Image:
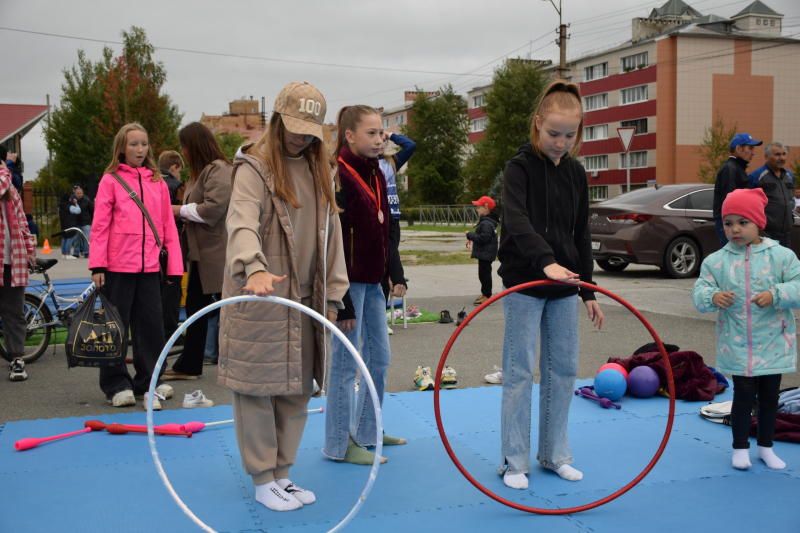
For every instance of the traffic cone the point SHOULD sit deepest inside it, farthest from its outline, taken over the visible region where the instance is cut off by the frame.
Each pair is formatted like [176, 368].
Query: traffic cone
[46, 248]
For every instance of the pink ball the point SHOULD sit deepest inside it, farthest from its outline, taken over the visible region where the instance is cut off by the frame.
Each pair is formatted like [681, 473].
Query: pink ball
[619, 368]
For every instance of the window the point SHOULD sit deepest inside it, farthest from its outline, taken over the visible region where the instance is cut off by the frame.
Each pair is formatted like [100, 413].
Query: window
[385, 123]
[701, 200]
[479, 124]
[633, 95]
[771, 22]
[598, 101]
[758, 22]
[633, 62]
[399, 120]
[594, 133]
[595, 71]
[638, 160]
[478, 101]
[252, 109]
[595, 162]
[598, 192]
[634, 186]
[640, 124]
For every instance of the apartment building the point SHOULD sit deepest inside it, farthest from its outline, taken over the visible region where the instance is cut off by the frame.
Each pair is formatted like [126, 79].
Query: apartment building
[243, 116]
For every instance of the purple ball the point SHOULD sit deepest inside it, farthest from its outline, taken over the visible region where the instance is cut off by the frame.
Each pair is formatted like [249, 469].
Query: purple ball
[643, 382]
[610, 383]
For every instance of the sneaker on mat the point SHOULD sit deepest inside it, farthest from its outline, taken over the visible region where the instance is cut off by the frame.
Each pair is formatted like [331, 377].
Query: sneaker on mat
[123, 398]
[480, 299]
[495, 377]
[16, 370]
[165, 391]
[156, 402]
[196, 399]
[449, 380]
[423, 379]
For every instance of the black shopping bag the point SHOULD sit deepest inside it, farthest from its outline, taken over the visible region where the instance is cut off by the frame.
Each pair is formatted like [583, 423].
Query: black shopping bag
[96, 337]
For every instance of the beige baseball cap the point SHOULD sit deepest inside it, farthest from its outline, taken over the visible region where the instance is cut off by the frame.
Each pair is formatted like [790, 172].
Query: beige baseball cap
[302, 108]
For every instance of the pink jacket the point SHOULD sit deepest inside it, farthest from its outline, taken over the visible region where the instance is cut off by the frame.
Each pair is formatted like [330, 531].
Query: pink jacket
[122, 240]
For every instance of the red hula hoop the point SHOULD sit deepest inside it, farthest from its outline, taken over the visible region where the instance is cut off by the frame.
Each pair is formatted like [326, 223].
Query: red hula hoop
[569, 510]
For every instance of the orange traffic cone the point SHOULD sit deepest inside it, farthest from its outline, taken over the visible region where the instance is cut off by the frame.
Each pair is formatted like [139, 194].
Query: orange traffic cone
[46, 248]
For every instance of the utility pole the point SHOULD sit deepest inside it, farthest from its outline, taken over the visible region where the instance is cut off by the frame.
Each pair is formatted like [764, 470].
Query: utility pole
[561, 41]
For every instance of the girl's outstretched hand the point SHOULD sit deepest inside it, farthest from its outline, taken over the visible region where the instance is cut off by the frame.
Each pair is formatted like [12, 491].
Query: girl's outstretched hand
[260, 283]
[595, 314]
[559, 273]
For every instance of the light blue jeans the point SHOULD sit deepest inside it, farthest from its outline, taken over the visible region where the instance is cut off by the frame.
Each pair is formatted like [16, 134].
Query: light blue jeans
[558, 365]
[346, 415]
[81, 246]
[66, 245]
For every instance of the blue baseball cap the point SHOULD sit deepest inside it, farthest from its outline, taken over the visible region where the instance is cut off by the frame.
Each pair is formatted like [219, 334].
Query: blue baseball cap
[744, 138]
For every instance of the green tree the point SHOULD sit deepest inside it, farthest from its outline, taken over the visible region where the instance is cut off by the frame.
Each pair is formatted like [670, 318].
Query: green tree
[440, 127]
[230, 142]
[517, 86]
[715, 148]
[98, 98]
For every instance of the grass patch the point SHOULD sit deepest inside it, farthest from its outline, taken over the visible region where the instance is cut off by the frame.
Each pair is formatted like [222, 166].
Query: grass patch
[426, 316]
[431, 257]
[59, 336]
[442, 229]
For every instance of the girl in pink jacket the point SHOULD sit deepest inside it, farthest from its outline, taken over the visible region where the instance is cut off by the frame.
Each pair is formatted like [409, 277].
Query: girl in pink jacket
[124, 260]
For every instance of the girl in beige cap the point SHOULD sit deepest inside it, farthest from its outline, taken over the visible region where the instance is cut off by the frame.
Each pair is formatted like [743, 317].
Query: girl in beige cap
[284, 239]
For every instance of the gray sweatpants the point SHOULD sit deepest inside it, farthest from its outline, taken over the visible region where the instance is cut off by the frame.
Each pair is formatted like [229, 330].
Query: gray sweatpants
[269, 428]
[12, 302]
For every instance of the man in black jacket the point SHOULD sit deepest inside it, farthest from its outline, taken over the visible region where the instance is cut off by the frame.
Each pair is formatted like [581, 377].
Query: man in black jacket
[732, 176]
[84, 220]
[778, 184]
[485, 247]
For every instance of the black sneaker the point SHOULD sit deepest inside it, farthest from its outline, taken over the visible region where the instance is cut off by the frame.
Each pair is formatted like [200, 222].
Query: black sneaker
[444, 317]
[16, 370]
[462, 316]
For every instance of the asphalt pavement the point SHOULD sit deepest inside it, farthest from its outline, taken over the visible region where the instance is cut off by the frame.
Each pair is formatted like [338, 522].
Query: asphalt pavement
[54, 391]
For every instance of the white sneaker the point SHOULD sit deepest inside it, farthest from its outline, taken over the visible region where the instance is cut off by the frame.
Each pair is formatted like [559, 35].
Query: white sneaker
[391, 331]
[68, 257]
[165, 391]
[196, 399]
[496, 377]
[123, 399]
[156, 402]
[16, 370]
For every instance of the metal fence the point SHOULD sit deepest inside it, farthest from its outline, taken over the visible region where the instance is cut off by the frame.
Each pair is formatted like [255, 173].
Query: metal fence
[45, 214]
[462, 214]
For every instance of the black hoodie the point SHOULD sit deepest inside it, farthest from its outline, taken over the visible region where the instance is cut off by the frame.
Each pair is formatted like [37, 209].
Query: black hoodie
[545, 221]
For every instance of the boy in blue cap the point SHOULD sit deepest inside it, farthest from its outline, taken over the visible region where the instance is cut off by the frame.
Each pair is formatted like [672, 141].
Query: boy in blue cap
[732, 176]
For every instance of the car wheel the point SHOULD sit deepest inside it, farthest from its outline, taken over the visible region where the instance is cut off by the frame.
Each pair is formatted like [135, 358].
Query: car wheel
[682, 258]
[615, 266]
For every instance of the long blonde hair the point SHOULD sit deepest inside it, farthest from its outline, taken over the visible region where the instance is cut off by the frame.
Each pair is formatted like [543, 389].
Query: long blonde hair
[269, 150]
[559, 96]
[118, 151]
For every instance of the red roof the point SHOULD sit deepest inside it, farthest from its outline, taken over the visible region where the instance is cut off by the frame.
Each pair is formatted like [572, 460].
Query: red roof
[18, 118]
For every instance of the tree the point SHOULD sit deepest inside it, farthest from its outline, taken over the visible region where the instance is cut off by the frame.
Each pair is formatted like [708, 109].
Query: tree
[715, 148]
[98, 98]
[440, 127]
[517, 86]
[230, 142]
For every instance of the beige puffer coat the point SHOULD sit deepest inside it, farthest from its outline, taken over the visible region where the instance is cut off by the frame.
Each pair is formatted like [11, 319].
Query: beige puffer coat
[260, 342]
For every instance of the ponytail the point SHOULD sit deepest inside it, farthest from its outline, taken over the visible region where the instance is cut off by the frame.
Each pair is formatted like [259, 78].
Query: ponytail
[349, 118]
[559, 96]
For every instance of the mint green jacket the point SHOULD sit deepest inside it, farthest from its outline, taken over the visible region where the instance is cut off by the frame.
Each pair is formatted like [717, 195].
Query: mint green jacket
[752, 341]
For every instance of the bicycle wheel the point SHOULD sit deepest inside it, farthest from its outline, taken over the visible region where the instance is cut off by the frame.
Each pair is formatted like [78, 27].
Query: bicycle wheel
[37, 337]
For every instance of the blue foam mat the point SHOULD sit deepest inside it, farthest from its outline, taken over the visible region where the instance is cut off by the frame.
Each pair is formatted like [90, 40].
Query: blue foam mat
[101, 482]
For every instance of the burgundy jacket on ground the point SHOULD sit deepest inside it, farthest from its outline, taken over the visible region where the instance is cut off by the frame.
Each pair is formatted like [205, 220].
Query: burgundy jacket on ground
[787, 428]
[365, 239]
[693, 381]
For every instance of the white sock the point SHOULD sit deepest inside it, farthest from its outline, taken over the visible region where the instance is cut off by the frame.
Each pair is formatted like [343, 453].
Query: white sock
[568, 473]
[516, 481]
[769, 457]
[275, 498]
[305, 496]
[741, 459]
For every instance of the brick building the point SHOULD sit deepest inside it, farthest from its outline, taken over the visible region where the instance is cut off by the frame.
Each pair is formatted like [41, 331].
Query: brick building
[243, 116]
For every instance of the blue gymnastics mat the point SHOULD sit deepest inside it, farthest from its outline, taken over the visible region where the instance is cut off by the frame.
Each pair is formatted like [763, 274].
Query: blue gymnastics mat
[99, 482]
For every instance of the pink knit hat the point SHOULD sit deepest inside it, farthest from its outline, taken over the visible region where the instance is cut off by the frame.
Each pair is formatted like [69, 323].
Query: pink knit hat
[749, 203]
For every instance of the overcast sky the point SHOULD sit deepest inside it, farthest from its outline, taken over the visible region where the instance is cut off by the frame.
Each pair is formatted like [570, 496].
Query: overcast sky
[442, 40]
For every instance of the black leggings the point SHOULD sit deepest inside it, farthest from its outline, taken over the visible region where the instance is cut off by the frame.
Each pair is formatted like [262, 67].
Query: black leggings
[485, 277]
[191, 360]
[745, 390]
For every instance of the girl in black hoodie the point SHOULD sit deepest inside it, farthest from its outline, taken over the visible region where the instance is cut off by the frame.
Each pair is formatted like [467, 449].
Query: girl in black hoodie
[544, 235]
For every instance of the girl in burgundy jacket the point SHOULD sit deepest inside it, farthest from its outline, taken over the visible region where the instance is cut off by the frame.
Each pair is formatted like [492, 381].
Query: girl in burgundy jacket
[365, 231]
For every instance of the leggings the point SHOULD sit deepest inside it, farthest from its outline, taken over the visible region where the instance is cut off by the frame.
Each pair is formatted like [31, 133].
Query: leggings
[745, 390]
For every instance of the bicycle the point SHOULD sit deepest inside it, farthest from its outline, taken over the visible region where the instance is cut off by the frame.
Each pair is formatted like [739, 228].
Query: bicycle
[41, 324]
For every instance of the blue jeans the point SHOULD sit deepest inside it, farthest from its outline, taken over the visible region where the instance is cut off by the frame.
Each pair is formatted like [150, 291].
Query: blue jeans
[81, 246]
[211, 353]
[558, 365]
[723, 240]
[346, 415]
[66, 245]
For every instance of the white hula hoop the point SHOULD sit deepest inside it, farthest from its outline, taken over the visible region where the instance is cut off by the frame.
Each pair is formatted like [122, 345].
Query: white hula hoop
[365, 376]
